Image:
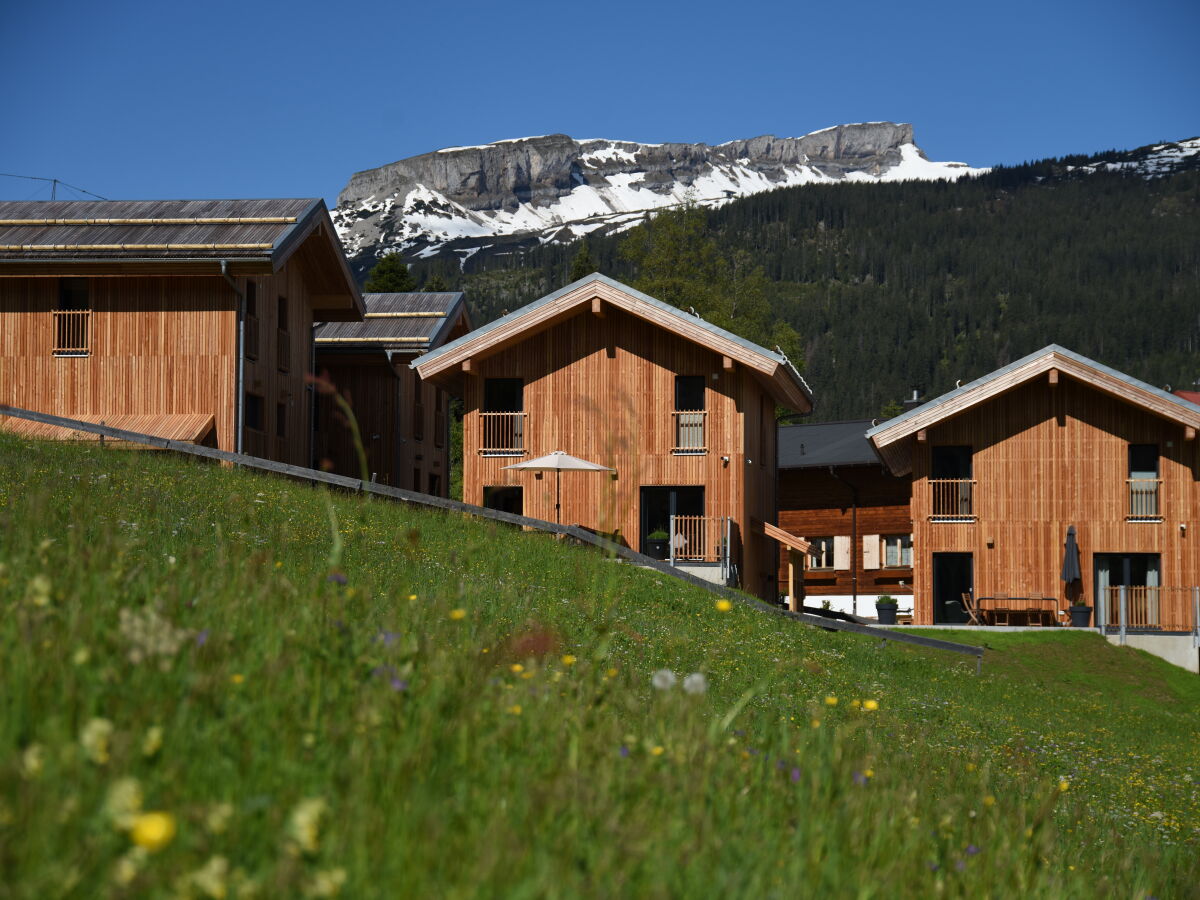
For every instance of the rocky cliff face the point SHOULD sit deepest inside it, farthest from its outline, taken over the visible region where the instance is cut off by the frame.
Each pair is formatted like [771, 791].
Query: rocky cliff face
[462, 200]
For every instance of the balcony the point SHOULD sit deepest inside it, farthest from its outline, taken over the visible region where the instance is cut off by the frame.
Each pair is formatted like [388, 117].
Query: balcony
[1148, 608]
[72, 332]
[704, 547]
[503, 433]
[1143, 500]
[952, 499]
[688, 427]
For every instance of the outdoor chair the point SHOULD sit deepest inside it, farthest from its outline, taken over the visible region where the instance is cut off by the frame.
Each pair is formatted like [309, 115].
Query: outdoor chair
[972, 610]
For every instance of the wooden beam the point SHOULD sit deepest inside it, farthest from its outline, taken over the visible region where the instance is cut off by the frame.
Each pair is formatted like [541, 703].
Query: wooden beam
[466, 365]
[1189, 433]
[598, 307]
[1054, 376]
[726, 363]
[922, 436]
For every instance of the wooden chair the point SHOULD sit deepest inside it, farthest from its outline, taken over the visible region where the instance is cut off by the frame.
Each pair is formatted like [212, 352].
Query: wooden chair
[972, 610]
[1001, 610]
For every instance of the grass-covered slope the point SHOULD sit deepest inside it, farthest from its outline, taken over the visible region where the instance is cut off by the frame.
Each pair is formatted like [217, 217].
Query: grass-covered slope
[322, 693]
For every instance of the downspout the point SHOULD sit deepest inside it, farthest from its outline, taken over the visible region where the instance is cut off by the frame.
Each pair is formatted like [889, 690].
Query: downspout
[239, 403]
[312, 395]
[853, 538]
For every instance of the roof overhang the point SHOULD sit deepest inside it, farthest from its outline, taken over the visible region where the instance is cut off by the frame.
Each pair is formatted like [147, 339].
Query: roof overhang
[774, 371]
[893, 439]
[312, 240]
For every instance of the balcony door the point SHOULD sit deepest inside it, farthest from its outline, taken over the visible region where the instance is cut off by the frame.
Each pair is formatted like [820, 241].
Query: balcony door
[503, 417]
[953, 576]
[950, 478]
[1141, 576]
[659, 503]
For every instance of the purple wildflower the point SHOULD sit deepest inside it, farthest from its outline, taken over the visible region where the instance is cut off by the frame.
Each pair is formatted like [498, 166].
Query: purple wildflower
[795, 775]
[960, 865]
[399, 684]
[972, 849]
[202, 638]
[933, 867]
[387, 638]
[337, 578]
[860, 779]
[624, 751]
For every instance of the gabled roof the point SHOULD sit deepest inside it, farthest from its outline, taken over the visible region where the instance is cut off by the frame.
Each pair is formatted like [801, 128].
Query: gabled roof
[406, 322]
[132, 237]
[774, 370]
[888, 437]
[826, 444]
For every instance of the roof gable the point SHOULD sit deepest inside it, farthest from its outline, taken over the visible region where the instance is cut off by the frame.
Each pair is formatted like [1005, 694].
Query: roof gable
[775, 371]
[410, 322]
[889, 437]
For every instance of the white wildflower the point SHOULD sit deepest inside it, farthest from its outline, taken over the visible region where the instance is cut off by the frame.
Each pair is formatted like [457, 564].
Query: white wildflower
[663, 679]
[695, 683]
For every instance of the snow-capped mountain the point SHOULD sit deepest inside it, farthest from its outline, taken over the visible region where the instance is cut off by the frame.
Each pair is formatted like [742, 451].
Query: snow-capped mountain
[1152, 161]
[461, 200]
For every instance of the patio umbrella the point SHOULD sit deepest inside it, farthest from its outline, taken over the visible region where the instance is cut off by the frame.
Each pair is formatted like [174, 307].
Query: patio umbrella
[1070, 568]
[557, 462]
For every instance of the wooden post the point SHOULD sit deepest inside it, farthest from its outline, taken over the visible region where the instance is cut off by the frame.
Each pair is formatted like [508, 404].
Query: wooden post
[793, 603]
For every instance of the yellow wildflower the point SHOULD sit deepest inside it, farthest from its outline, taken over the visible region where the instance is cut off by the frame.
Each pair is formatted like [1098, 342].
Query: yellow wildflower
[81, 656]
[458, 614]
[1064, 786]
[856, 703]
[989, 801]
[568, 660]
[412, 596]
[39, 590]
[611, 673]
[32, 761]
[94, 739]
[723, 605]
[237, 678]
[515, 709]
[870, 705]
[831, 700]
[516, 667]
[153, 830]
[657, 751]
[152, 742]
[123, 803]
[304, 825]
[816, 723]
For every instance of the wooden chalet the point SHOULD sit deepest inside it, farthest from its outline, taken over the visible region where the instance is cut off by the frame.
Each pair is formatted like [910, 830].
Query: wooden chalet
[836, 494]
[404, 423]
[1003, 466]
[188, 319]
[683, 411]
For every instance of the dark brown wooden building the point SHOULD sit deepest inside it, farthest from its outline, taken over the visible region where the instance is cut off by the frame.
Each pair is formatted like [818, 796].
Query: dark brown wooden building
[188, 319]
[683, 411]
[404, 423]
[836, 494]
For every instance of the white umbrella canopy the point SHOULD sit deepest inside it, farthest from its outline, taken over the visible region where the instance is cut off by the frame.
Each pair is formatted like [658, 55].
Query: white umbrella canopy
[558, 462]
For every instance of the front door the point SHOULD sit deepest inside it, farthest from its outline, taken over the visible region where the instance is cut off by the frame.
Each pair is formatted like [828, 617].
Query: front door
[953, 576]
[506, 498]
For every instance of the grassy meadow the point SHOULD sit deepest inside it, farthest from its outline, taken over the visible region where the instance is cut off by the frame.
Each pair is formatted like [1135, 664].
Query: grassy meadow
[221, 684]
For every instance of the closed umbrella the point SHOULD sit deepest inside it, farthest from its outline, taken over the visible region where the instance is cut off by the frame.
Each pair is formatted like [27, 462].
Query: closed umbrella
[558, 462]
[1070, 567]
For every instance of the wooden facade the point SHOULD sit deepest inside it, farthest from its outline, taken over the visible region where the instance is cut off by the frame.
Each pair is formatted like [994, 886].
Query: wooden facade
[166, 337]
[1050, 442]
[859, 508]
[594, 371]
[404, 422]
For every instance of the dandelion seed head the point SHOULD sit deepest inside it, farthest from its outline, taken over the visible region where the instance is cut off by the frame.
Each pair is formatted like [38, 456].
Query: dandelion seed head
[695, 683]
[663, 680]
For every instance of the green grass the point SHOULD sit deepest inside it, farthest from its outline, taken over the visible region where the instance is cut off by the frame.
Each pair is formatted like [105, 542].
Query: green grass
[441, 769]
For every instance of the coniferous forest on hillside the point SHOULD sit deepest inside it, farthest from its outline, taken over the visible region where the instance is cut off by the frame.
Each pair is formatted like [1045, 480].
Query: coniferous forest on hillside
[917, 285]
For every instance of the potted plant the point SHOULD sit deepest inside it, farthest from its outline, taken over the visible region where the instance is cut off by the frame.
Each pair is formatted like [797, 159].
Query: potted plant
[885, 609]
[658, 544]
[1081, 615]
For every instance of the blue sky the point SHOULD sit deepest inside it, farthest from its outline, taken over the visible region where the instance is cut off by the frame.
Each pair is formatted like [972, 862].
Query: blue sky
[177, 99]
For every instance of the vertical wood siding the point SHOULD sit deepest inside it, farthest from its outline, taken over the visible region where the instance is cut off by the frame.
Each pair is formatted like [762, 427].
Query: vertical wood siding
[1046, 457]
[603, 389]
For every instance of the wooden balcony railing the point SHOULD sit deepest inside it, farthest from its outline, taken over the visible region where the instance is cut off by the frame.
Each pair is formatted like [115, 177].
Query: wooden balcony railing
[1143, 500]
[953, 499]
[418, 422]
[503, 433]
[689, 431]
[439, 427]
[250, 338]
[72, 332]
[698, 539]
[1149, 607]
[283, 351]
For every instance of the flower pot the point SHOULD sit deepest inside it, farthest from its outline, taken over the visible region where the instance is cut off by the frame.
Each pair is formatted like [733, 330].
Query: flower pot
[1081, 616]
[656, 549]
[886, 613]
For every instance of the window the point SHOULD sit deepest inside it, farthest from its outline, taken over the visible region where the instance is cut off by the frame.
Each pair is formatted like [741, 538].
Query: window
[418, 422]
[689, 414]
[281, 316]
[72, 318]
[821, 554]
[503, 417]
[435, 485]
[951, 484]
[283, 344]
[416, 482]
[439, 418]
[251, 321]
[1144, 482]
[897, 550]
[281, 420]
[252, 413]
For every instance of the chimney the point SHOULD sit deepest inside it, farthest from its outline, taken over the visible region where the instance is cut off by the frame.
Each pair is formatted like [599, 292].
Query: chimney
[914, 401]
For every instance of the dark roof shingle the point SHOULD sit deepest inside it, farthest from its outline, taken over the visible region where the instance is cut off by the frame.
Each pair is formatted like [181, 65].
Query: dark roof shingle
[827, 444]
[400, 321]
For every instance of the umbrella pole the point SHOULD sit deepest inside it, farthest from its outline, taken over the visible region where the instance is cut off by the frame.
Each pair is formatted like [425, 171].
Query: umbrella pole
[558, 496]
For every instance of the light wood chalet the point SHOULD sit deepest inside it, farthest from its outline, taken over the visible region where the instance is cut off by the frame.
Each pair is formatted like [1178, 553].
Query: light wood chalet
[836, 494]
[188, 319]
[683, 411]
[404, 423]
[1003, 466]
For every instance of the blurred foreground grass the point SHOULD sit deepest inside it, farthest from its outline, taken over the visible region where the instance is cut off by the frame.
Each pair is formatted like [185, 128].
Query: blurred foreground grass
[222, 684]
